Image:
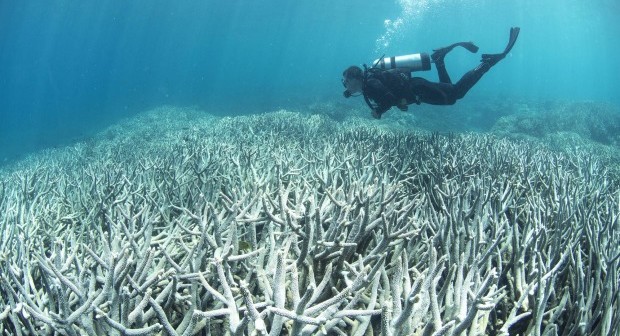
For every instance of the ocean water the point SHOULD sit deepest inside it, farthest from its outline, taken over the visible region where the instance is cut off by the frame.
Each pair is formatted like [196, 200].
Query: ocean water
[193, 167]
[70, 68]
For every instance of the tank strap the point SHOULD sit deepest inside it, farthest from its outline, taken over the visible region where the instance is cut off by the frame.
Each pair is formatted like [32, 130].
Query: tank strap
[366, 99]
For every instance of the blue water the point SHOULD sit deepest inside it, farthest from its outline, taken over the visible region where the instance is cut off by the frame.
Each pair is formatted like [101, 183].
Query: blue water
[69, 68]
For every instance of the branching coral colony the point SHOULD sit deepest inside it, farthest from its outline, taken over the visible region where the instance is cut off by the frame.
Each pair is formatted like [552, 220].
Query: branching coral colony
[277, 225]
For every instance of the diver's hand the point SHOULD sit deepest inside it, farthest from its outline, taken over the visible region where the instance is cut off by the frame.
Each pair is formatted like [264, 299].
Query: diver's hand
[403, 105]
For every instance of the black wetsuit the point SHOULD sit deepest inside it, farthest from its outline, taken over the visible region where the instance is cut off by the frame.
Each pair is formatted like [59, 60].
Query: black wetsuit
[383, 89]
[387, 88]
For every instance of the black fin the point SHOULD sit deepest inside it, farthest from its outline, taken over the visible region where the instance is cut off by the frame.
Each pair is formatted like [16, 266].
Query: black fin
[514, 33]
[440, 53]
[469, 46]
[492, 59]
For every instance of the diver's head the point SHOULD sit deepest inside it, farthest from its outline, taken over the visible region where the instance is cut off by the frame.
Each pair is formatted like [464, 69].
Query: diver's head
[353, 80]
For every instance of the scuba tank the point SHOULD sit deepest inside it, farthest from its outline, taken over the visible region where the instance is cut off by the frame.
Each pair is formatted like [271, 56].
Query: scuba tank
[412, 62]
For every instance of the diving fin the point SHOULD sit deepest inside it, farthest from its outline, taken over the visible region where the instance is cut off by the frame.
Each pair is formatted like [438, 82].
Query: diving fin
[440, 53]
[470, 46]
[492, 59]
[514, 33]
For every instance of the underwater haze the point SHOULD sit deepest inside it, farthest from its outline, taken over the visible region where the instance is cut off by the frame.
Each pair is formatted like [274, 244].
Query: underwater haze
[70, 68]
[193, 168]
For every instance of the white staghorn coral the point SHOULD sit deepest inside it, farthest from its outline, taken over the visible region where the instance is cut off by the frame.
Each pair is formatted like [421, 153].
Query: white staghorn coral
[278, 224]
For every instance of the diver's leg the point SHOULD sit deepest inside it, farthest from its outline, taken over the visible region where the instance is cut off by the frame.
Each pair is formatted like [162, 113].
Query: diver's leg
[487, 62]
[431, 92]
[443, 73]
[470, 79]
[438, 58]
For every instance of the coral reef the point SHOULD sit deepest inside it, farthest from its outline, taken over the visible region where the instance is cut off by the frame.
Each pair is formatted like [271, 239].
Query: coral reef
[287, 224]
[565, 126]
[591, 120]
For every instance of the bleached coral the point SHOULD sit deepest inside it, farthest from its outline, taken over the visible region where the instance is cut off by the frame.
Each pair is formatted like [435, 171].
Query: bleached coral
[277, 224]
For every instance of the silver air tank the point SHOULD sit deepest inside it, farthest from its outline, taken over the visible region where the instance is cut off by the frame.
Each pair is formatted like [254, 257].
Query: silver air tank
[412, 62]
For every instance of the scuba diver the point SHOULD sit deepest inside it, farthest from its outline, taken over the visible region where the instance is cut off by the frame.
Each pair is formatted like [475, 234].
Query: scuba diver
[389, 83]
